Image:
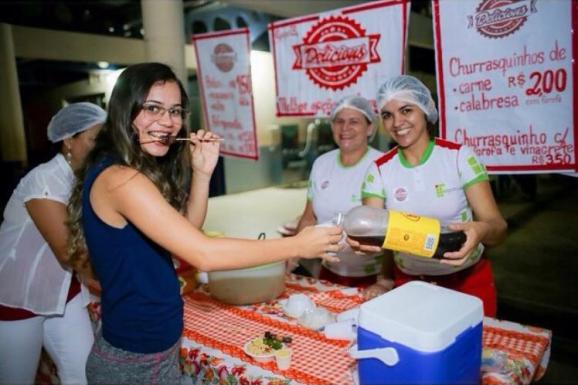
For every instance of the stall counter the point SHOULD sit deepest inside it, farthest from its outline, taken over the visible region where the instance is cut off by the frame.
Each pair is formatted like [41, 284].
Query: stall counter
[247, 214]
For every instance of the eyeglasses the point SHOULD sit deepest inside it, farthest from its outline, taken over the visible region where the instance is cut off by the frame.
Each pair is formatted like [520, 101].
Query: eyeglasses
[155, 111]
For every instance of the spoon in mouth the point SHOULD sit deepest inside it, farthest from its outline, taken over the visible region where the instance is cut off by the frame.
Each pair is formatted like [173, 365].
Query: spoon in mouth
[167, 140]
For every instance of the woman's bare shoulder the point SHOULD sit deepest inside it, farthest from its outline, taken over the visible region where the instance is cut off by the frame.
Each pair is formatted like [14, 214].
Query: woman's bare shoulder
[126, 192]
[118, 177]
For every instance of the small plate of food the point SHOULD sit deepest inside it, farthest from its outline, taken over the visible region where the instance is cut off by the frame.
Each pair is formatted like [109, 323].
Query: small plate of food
[262, 348]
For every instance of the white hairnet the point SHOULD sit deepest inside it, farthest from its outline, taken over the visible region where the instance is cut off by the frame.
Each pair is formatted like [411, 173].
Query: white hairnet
[73, 119]
[354, 102]
[408, 89]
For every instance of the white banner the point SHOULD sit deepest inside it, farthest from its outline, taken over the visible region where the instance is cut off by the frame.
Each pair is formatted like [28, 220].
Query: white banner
[224, 74]
[321, 58]
[507, 82]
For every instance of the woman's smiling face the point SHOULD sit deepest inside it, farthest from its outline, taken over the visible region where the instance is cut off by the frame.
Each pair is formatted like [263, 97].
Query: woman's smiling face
[161, 115]
[405, 122]
[350, 130]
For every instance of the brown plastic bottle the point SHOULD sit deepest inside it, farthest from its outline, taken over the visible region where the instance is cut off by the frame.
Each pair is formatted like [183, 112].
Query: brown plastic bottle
[368, 226]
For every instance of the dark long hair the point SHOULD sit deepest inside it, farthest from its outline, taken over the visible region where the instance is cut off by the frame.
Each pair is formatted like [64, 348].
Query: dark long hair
[119, 140]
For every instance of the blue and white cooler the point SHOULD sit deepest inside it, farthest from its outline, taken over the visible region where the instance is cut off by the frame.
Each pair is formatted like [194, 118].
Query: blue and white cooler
[420, 333]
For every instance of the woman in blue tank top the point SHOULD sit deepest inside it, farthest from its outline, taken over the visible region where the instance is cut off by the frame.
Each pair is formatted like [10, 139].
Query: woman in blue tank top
[141, 200]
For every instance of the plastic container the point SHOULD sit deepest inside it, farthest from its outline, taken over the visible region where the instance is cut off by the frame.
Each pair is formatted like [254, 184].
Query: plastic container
[247, 286]
[420, 333]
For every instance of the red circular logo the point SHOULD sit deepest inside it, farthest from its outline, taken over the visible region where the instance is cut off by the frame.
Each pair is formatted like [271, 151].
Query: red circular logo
[500, 18]
[335, 52]
[400, 194]
[224, 57]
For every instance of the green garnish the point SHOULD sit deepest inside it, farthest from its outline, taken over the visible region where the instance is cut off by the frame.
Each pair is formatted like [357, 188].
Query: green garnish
[275, 342]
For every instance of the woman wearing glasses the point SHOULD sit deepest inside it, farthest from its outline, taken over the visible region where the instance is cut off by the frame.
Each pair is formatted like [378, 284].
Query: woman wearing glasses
[142, 199]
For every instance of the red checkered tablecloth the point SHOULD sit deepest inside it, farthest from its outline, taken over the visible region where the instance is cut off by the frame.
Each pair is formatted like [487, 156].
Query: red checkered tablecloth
[513, 353]
[333, 300]
[214, 335]
[315, 359]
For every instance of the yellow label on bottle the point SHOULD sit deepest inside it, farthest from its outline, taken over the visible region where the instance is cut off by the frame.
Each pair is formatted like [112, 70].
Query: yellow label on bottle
[412, 234]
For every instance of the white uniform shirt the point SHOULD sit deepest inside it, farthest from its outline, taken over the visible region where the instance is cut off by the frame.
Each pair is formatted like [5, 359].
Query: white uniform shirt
[434, 188]
[335, 188]
[30, 275]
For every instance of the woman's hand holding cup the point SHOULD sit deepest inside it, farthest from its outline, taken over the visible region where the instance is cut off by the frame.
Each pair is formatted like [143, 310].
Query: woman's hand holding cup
[319, 242]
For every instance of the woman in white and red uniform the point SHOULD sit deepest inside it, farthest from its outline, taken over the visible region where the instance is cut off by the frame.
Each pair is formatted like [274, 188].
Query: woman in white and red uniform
[436, 178]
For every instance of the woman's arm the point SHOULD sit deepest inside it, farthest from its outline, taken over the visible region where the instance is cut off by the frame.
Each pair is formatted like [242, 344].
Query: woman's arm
[204, 157]
[488, 227]
[307, 218]
[374, 202]
[121, 194]
[492, 225]
[198, 199]
[50, 218]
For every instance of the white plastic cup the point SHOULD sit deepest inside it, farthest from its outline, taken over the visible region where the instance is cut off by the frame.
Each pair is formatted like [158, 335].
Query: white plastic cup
[336, 222]
[351, 314]
[343, 330]
[283, 358]
[297, 304]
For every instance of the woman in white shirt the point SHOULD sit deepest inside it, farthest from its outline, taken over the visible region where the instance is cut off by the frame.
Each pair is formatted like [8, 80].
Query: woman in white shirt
[335, 187]
[41, 302]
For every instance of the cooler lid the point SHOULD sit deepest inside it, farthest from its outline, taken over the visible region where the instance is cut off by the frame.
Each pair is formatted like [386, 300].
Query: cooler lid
[421, 316]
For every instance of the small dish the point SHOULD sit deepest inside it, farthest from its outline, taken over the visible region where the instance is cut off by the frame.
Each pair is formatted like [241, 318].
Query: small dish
[259, 357]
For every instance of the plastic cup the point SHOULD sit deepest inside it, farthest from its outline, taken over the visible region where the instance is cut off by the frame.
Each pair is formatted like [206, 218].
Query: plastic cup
[297, 304]
[343, 330]
[283, 358]
[342, 241]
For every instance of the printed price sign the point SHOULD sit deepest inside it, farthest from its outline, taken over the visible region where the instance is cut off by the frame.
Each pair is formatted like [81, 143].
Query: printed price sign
[507, 82]
[224, 74]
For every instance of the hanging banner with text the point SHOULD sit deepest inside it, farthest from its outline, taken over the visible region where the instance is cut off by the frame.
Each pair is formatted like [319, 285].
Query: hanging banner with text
[507, 82]
[350, 51]
[224, 75]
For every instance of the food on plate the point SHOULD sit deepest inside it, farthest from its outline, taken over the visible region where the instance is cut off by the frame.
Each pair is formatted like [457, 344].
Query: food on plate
[266, 344]
[276, 342]
[258, 347]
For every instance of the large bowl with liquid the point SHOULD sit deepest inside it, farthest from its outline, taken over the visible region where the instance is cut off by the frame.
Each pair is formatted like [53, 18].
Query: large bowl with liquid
[247, 286]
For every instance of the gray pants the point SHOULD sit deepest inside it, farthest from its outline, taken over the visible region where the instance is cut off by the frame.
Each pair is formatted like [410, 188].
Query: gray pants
[109, 365]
